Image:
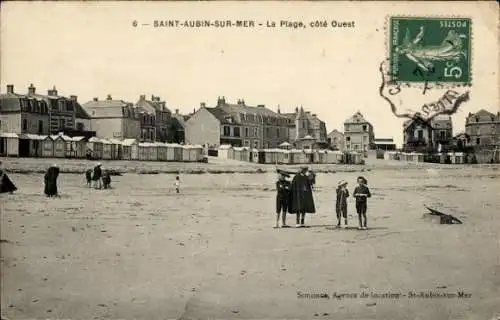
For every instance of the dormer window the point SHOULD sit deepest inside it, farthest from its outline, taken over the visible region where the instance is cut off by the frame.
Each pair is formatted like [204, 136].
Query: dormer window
[228, 119]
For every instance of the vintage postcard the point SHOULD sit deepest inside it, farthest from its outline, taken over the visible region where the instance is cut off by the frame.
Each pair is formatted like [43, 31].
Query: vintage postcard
[249, 160]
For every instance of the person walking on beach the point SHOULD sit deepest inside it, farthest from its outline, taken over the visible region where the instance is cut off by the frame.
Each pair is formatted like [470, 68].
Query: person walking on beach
[341, 203]
[282, 199]
[97, 176]
[106, 179]
[6, 186]
[362, 193]
[88, 177]
[177, 184]
[50, 180]
[301, 197]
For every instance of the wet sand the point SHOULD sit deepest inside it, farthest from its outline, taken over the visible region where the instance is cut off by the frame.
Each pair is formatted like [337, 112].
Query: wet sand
[140, 251]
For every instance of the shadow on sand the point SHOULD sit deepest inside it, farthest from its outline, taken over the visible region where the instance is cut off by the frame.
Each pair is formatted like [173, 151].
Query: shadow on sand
[354, 228]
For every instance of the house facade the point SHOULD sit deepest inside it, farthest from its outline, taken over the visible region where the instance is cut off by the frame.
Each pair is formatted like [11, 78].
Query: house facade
[483, 129]
[36, 113]
[305, 126]
[336, 140]
[359, 134]
[114, 118]
[177, 127]
[237, 124]
[155, 118]
[420, 135]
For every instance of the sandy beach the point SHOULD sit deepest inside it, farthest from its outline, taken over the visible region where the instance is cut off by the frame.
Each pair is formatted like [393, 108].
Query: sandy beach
[140, 251]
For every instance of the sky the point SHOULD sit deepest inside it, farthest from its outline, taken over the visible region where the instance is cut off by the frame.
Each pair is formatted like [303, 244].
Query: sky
[92, 49]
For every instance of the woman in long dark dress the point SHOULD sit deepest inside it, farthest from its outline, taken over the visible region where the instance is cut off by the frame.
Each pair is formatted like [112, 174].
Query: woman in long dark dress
[6, 186]
[51, 181]
[301, 197]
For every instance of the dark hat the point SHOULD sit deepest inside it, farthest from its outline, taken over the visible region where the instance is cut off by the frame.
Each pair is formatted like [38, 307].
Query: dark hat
[363, 178]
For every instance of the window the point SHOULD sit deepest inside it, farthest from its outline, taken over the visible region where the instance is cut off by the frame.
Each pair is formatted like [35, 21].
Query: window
[477, 119]
[256, 144]
[151, 135]
[255, 133]
[227, 131]
[420, 134]
[0, 124]
[25, 124]
[348, 139]
[365, 138]
[236, 131]
[93, 112]
[268, 132]
[478, 141]
[40, 126]
[246, 132]
[442, 135]
[61, 123]
[277, 132]
[247, 143]
[79, 126]
[364, 127]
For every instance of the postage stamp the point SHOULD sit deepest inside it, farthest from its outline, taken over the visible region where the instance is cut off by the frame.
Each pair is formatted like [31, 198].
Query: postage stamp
[430, 50]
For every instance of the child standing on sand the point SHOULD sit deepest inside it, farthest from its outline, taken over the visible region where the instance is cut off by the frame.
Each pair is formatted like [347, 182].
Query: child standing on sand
[177, 184]
[341, 203]
[282, 199]
[362, 193]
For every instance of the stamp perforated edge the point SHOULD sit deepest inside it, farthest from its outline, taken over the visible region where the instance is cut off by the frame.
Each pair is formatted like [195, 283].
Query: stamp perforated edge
[422, 84]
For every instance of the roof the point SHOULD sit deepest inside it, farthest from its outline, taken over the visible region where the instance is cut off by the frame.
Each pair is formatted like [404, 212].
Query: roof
[10, 102]
[153, 105]
[8, 135]
[30, 136]
[335, 132]
[233, 110]
[129, 142]
[107, 108]
[356, 118]
[384, 140]
[180, 119]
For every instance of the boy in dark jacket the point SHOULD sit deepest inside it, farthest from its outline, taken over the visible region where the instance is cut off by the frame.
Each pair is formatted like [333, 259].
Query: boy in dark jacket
[88, 177]
[282, 199]
[341, 203]
[362, 193]
[106, 179]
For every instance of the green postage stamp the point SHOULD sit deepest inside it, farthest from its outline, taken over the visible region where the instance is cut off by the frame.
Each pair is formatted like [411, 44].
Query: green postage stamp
[430, 50]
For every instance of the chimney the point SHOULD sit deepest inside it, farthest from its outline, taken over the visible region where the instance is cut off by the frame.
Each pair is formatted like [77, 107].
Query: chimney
[10, 88]
[96, 99]
[296, 110]
[31, 89]
[221, 101]
[73, 98]
[261, 105]
[202, 104]
[142, 97]
[52, 92]
[109, 97]
[153, 98]
[176, 111]
[279, 111]
[314, 115]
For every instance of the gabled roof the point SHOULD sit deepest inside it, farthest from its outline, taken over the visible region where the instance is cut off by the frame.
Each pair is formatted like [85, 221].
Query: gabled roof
[180, 119]
[483, 112]
[356, 118]
[153, 105]
[219, 113]
[106, 108]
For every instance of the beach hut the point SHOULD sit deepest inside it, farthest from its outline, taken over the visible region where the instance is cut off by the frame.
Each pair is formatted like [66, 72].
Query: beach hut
[48, 147]
[116, 149]
[299, 156]
[162, 151]
[270, 156]
[170, 151]
[79, 145]
[107, 149]
[95, 145]
[322, 156]
[285, 157]
[130, 149]
[226, 152]
[255, 156]
[9, 144]
[185, 152]
[195, 153]
[59, 146]
[148, 151]
[34, 143]
[417, 157]
[178, 151]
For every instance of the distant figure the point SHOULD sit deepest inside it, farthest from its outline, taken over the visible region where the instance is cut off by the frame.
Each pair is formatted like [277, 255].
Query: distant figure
[177, 184]
[6, 186]
[106, 179]
[301, 198]
[282, 199]
[89, 154]
[97, 176]
[362, 193]
[88, 177]
[50, 180]
[341, 202]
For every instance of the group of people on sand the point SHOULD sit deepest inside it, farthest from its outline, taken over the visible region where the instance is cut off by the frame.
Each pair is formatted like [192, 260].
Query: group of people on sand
[99, 176]
[296, 197]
